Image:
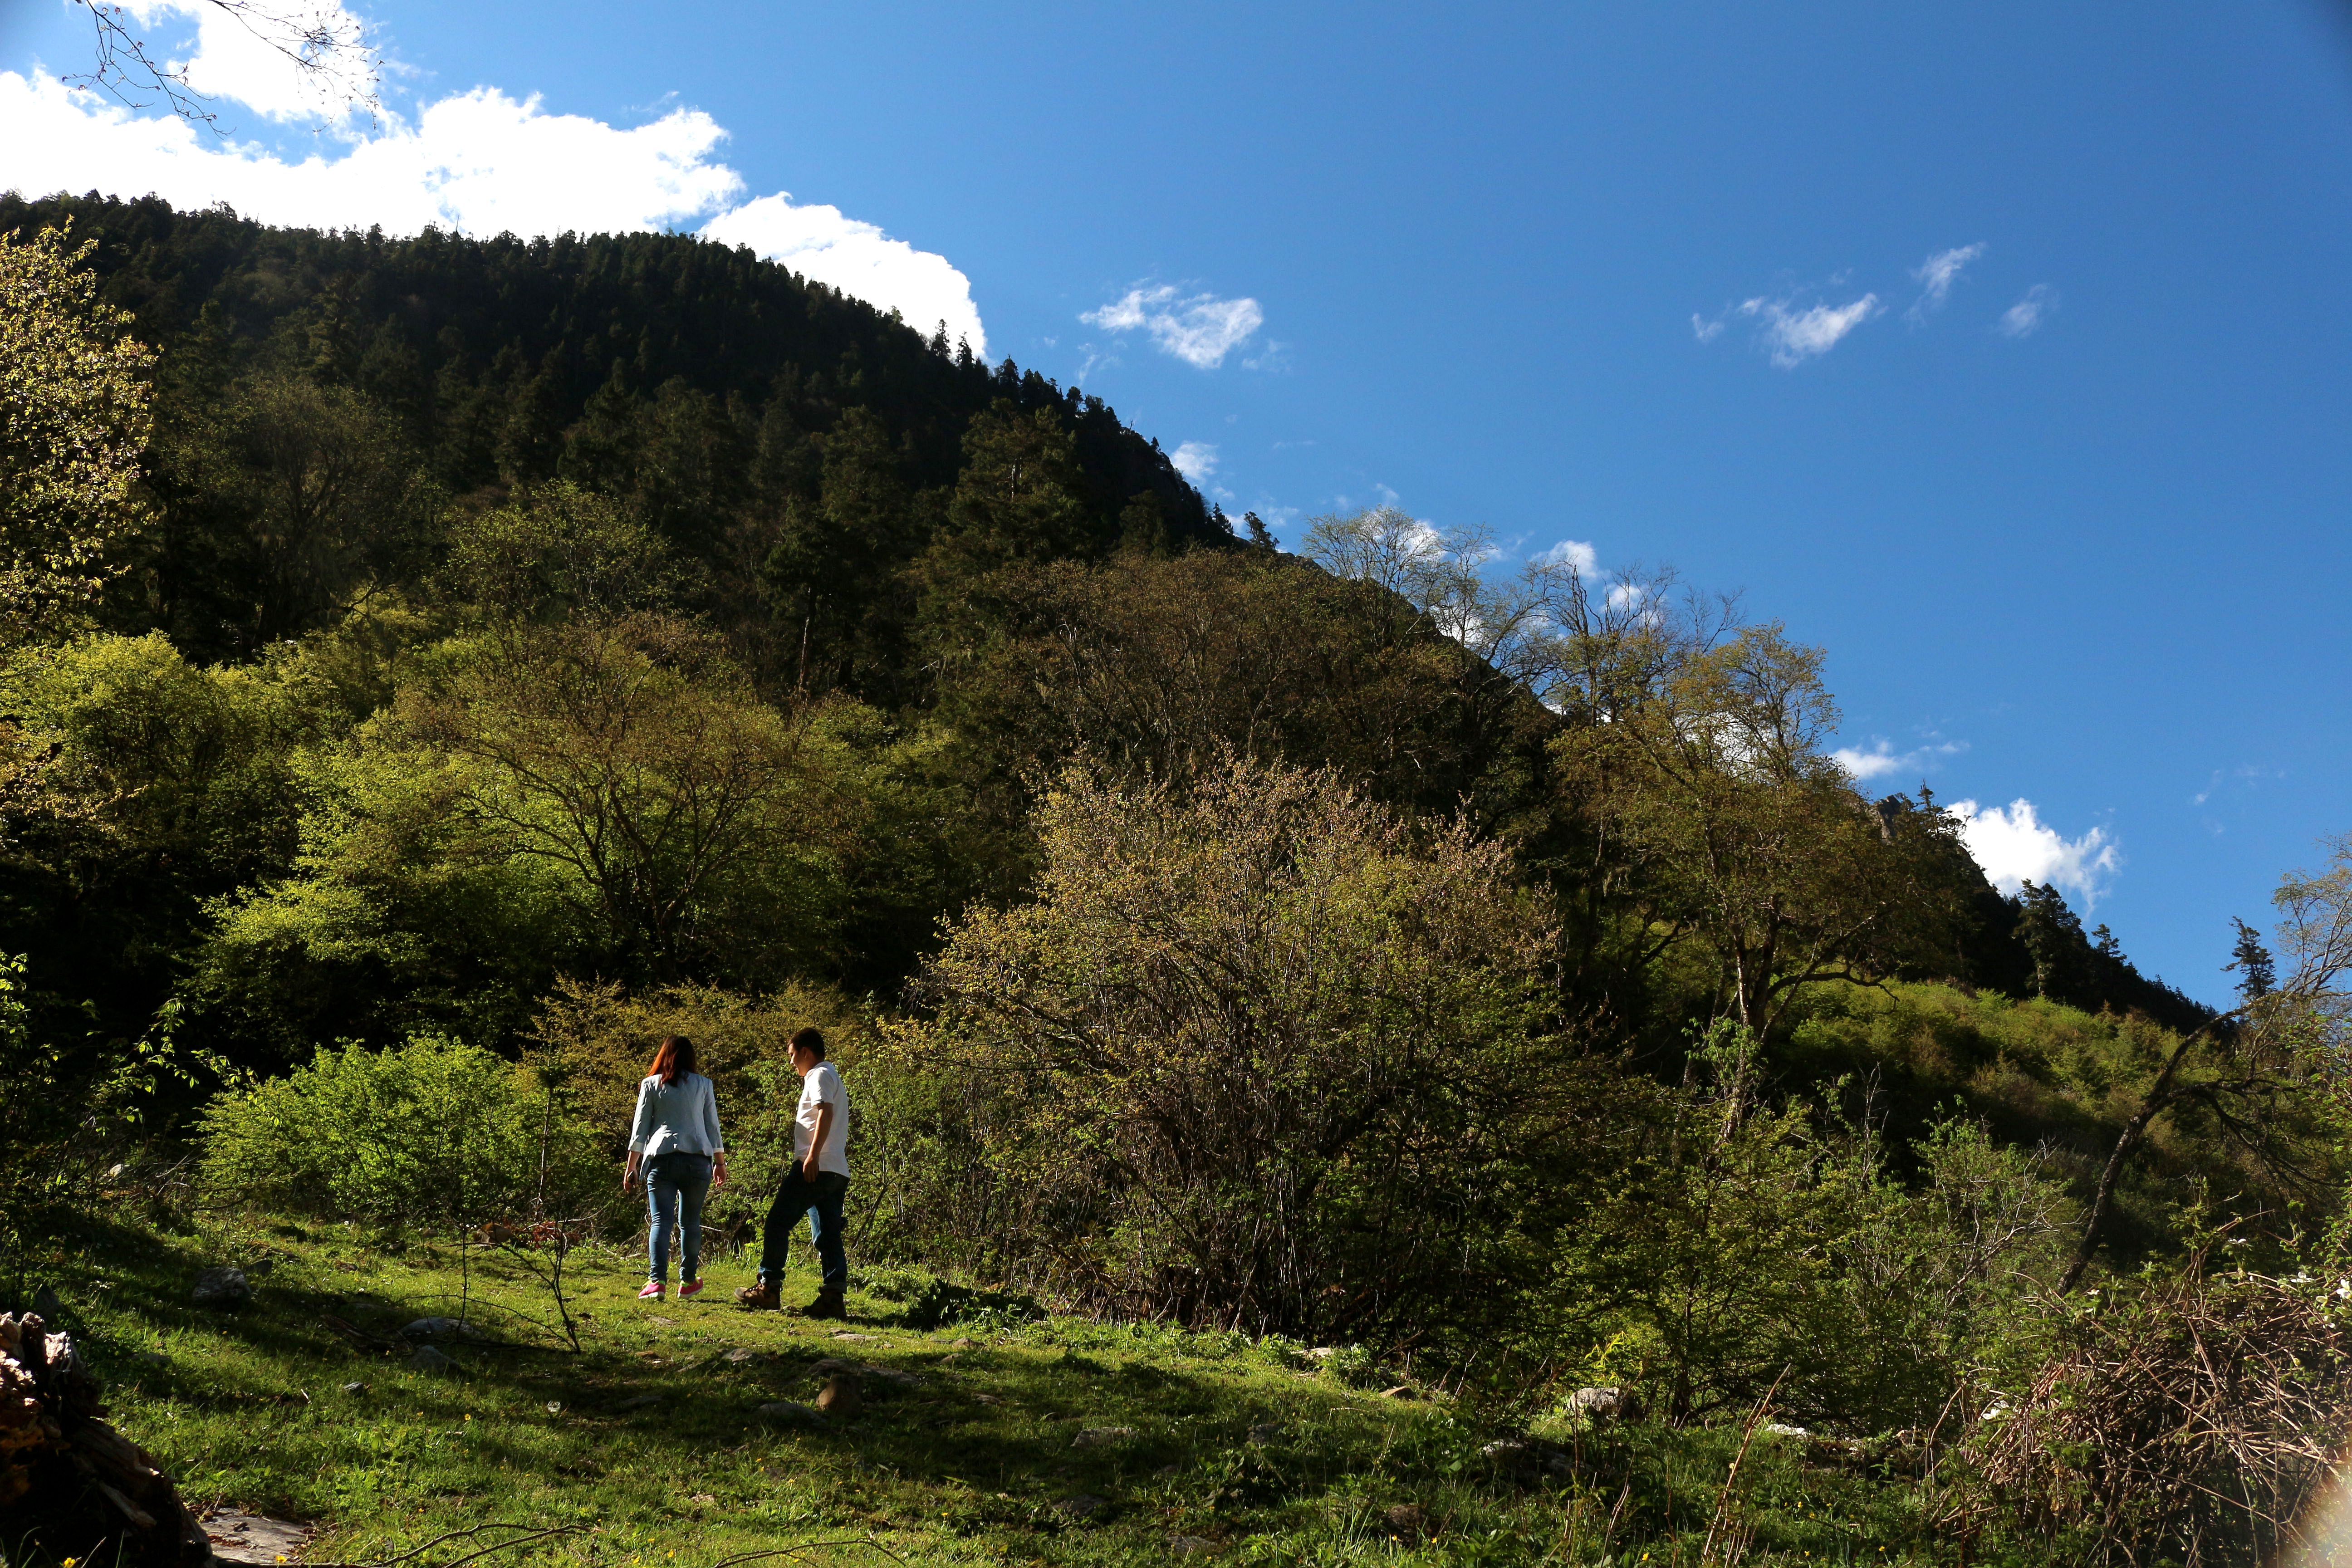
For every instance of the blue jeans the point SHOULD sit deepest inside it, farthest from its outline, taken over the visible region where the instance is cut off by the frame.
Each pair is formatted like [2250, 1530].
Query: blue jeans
[675, 1184]
[821, 1201]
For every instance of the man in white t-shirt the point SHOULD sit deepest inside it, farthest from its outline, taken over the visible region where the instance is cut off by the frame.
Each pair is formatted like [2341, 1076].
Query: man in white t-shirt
[814, 1186]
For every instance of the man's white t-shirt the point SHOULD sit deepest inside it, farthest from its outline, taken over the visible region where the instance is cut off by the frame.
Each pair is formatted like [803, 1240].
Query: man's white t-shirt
[823, 1087]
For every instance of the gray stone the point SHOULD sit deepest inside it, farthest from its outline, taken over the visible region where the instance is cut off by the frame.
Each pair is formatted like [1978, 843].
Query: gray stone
[1190, 1546]
[355, 1388]
[1083, 1509]
[1513, 1455]
[1601, 1405]
[221, 1287]
[890, 1377]
[240, 1537]
[786, 1413]
[1103, 1436]
[441, 1329]
[429, 1360]
[740, 1354]
[1265, 1433]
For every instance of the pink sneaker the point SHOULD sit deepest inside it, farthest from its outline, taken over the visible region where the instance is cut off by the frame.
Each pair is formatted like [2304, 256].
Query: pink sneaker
[651, 1292]
[688, 1288]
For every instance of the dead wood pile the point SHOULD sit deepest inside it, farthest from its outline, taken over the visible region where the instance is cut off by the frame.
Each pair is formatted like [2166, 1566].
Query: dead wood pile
[69, 1481]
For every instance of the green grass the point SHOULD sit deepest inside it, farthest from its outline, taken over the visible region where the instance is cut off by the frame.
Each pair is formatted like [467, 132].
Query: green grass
[248, 1407]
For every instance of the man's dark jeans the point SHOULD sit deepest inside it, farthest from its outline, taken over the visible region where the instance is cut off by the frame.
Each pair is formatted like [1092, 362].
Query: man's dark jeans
[821, 1200]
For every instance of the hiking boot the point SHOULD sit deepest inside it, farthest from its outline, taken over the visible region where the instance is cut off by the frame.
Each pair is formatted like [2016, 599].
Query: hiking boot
[827, 1304]
[760, 1297]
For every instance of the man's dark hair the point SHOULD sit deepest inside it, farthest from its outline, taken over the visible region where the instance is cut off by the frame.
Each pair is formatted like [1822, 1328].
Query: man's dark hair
[811, 1040]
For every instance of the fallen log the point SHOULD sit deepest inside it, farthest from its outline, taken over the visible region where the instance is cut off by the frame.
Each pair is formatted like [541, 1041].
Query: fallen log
[69, 1483]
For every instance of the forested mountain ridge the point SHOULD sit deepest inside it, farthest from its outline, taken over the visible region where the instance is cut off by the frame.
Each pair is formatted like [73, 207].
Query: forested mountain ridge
[698, 380]
[359, 441]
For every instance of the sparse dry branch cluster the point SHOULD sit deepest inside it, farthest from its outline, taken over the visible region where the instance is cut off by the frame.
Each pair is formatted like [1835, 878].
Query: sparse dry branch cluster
[2192, 1419]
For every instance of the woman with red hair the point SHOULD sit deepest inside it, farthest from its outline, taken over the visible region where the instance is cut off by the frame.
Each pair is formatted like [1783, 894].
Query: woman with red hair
[675, 1142]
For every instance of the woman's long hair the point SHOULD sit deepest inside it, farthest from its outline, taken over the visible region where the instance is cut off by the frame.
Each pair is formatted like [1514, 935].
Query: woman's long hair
[673, 1060]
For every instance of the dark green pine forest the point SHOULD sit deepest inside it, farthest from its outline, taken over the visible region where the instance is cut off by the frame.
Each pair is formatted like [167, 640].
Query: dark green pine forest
[508, 651]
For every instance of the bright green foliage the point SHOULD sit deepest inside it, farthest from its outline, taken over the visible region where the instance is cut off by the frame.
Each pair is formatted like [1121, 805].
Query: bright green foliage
[556, 551]
[1259, 1054]
[73, 416]
[434, 1132]
[599, 797]
[1746, 1245]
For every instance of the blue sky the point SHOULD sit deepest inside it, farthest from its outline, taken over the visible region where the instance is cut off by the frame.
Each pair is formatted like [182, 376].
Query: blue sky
[2099, 566]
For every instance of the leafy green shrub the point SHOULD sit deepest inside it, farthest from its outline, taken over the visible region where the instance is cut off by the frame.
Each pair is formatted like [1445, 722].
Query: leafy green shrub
[1261, 1055]
[434, 1131]
[1746, 1245]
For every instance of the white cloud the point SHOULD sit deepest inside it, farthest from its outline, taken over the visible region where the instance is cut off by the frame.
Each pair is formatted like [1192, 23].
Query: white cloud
[820, 243]
[1794, 336]
[480, 162]
[2023, 319]
[2014, 846]
[1196, 461]
[1705, 330]
[1883, 759]
[1198, 329]
[1936, 275]
[1573, 553]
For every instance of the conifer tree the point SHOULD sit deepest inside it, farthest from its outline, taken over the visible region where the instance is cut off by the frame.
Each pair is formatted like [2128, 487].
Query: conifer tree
[2250, 961]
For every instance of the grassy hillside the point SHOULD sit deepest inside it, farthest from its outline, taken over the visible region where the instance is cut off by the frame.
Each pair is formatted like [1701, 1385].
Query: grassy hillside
[652, 1442]
[2046, 1075]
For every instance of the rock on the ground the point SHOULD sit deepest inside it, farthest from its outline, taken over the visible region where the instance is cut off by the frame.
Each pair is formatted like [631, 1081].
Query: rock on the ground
[221, 1287]
[1265, 1433]
[786, 1413]
[428, 1360]
[1601, 1405]
[441, 1329]
[740, 1354]
[1083, 1509]
[240, 1537]
[1190, 1546]
[1408, 1519]
[843, 1397]
[355, 1388]
[1102, 1436]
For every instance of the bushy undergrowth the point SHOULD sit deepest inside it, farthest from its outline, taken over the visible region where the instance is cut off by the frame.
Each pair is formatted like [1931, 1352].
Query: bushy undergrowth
[434, 1132]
